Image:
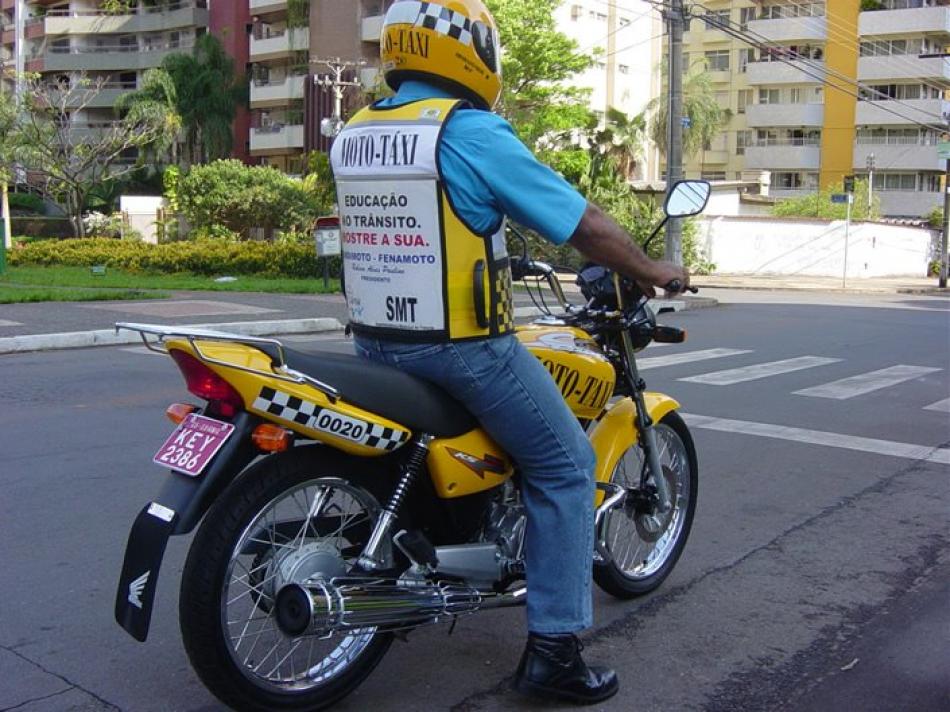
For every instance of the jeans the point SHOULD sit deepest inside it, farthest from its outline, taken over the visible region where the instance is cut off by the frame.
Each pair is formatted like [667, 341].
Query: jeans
[518, 404]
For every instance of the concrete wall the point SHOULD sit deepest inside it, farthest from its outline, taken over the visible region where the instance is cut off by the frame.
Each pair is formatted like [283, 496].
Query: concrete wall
[740, 245]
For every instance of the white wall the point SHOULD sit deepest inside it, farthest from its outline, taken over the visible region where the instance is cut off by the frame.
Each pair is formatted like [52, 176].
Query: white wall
[815, 248]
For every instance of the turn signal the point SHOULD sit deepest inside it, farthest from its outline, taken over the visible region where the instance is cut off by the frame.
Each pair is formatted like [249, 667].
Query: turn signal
[669, 335]
[177, 412]
[271, 438]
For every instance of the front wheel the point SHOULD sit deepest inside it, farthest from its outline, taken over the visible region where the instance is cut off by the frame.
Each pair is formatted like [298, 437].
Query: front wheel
[645, 544]
[301, 514]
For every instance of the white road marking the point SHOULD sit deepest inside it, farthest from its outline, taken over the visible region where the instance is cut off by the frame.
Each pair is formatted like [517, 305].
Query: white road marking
[819, 437]
[688, 357]
[7, 322]
[940, 406]
[760, 370]
[866, 382]
[141, 351]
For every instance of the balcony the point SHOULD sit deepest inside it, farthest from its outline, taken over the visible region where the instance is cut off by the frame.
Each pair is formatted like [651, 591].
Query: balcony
[280, 44]
[262, 7]
[372, 28]
[714, 157]
[89, 22]
[800, 155]
[890, 113]
[911, 21]
[774, 73]
[106, 59]
[899, 157]
[767, 115]
[792, 29]
[276, 93]
[905, 203]
[903, 67]
[277, 138]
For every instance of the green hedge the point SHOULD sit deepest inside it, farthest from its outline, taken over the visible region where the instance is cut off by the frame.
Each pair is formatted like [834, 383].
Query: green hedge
[204, 257]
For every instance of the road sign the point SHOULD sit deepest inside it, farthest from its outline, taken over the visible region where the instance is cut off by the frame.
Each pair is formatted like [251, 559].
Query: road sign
[849, 184]
[687, 122]
[841, 198]
[327, 237]
[943, 150]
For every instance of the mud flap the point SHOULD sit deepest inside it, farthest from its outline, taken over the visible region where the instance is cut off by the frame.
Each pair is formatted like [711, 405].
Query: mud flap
[143, 559]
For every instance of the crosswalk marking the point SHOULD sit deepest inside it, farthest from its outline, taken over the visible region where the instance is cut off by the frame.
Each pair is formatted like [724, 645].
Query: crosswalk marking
[940, 406]
[866, 382]
[819, 437]
[760, 370]
[688, 357]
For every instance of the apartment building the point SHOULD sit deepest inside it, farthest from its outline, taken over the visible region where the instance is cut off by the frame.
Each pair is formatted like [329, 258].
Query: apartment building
[64, 38]
[626, 38]
[787, 119]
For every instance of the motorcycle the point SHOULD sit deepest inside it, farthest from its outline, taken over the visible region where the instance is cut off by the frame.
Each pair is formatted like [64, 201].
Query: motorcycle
[343, 504]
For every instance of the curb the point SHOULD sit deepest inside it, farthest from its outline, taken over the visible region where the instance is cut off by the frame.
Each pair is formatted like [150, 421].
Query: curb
[836, 290]
[108, 337]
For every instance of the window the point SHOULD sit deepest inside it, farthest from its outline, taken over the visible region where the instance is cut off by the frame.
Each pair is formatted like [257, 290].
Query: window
[746, 15]
[745, 97]
[713, 175]
[743, 140]
[770, 96]
[714, 19]
[717, 60]
[623, 69]
[745, 56]
[576, 12]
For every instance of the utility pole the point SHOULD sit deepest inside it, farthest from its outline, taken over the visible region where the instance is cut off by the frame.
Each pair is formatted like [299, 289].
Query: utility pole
[871, 164]
[331, 127]
[946, 226]
[675, 19]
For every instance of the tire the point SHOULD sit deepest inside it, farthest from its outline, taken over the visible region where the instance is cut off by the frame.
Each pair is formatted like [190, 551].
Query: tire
[212, 607]
[659, 540]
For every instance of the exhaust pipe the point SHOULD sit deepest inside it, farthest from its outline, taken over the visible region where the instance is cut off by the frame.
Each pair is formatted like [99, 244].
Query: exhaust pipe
[320, 607]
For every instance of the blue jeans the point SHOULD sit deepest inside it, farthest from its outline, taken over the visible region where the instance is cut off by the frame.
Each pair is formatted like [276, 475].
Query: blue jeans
[518, 404]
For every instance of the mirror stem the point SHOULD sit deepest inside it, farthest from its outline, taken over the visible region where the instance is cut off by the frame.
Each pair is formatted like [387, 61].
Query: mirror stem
[655, 232]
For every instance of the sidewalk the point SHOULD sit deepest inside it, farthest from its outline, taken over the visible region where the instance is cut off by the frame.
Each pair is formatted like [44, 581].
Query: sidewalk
[874, 285]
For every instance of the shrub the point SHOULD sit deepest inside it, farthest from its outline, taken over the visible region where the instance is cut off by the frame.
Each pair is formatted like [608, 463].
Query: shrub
[204, 257]
[935, 218]
[27, 202]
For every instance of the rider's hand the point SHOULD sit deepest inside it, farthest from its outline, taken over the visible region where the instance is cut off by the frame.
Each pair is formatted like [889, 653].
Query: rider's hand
[666, 272]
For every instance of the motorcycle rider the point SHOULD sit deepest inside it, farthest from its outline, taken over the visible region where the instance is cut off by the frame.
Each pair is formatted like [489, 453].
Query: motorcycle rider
[425, 180]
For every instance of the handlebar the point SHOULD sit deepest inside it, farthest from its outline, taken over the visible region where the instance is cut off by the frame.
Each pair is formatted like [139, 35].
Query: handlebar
[676, 287]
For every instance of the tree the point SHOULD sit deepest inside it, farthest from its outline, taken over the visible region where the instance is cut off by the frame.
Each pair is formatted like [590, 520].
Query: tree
[706, 117]
[229, 194]
[208, 93]
[7, 136]
[157, 99]
[65, 160]
[616, 149]
[537, 63]
[819, 205]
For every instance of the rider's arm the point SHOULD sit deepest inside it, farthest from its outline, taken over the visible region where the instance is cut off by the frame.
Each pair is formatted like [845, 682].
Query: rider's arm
[603, 241]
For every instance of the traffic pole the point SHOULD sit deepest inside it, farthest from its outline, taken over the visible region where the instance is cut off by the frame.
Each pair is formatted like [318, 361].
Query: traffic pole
[847, 238]
[674, 150]
[4, 225]
[946, 227]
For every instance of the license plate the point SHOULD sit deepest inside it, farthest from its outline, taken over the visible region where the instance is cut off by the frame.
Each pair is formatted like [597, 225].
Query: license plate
[195, 441]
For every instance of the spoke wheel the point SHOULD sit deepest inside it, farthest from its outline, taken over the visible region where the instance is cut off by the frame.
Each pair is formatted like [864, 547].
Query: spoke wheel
[644, 543]
[289, 518]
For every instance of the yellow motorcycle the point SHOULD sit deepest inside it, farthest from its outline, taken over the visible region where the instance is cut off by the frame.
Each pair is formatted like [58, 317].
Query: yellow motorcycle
[344, 503]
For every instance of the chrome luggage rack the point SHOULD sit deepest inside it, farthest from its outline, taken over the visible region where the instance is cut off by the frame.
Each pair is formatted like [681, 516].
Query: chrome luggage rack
[279, 368]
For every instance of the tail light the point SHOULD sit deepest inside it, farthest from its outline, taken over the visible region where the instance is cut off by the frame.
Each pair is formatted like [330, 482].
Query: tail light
[205, 383]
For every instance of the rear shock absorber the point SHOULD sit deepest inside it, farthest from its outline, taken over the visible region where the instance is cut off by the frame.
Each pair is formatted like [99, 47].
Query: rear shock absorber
[371, 559]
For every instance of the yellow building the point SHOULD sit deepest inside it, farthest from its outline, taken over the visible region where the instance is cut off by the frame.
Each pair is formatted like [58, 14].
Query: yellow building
[832, 91]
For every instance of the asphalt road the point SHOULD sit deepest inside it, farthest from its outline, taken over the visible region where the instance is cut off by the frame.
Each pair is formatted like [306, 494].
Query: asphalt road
[816, 577]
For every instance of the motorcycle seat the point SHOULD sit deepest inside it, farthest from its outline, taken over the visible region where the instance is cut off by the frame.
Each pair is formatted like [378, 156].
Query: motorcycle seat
[413, 402]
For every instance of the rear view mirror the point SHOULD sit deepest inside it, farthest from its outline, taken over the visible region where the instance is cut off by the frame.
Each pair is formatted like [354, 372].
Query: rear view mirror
[687, 198]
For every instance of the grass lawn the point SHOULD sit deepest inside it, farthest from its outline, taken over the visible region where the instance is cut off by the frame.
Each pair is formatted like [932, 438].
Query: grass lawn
[83, 277]
[22, 295]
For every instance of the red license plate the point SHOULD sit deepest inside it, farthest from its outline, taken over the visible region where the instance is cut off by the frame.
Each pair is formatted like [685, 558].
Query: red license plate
[190, 448]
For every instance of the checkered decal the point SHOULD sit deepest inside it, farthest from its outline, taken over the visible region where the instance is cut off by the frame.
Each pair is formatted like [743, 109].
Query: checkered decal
[445, 22]
[285, 406]
[504, 301]
[382, 438]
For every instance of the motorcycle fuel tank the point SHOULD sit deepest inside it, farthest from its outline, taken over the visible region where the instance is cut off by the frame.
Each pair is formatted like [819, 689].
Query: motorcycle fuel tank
[578, 366]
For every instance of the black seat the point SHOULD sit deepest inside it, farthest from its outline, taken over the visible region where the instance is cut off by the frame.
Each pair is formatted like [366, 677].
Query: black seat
[387, 391]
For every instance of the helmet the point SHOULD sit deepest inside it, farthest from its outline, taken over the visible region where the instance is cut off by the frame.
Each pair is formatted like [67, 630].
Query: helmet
[451, 43]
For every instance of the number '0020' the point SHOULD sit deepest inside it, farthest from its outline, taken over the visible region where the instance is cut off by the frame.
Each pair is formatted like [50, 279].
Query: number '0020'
[179, 457]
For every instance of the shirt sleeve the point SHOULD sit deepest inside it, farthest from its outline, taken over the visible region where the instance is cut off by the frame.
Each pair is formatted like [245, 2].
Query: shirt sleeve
[496, 174]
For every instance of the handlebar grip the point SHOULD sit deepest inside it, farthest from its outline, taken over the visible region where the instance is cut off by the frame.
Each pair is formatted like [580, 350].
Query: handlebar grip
[676, 286]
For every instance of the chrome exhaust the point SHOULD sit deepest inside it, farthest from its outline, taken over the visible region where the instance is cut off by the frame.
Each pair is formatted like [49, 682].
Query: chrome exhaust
[614, 496]
[320, 607]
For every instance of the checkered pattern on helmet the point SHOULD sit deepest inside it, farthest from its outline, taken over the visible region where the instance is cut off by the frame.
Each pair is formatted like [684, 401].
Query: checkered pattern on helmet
[445, 21]
[382, 438]
[285, 406]
[504, 299]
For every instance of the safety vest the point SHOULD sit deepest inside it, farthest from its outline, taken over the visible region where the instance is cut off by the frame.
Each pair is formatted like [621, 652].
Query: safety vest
[413, 269]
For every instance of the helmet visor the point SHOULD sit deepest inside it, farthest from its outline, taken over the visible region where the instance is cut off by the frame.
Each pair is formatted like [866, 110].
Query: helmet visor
[485, 40]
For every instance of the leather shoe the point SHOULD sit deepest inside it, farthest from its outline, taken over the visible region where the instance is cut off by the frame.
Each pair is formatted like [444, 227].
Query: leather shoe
[552, 667]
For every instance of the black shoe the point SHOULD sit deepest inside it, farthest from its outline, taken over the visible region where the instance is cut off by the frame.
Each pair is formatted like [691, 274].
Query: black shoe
[552, 667]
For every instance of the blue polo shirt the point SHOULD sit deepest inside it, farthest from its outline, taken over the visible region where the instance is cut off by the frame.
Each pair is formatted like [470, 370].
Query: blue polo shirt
[489, 173]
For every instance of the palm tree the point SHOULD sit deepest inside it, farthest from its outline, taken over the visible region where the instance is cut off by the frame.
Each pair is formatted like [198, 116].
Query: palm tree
[157, 98]
[706, 117]
[208, 95]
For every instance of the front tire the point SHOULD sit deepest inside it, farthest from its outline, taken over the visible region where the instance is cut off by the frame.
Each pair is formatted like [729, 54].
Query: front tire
[645, 545]
[306, 512]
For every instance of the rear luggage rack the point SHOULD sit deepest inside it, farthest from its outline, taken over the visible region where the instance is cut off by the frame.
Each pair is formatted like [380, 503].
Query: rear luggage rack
[272, 348]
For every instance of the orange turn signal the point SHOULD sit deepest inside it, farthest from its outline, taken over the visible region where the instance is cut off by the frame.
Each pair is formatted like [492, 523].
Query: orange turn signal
[177, 412]
[271, 438]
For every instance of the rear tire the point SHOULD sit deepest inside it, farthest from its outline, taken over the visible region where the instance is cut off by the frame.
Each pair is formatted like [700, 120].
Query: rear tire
[644, 547]
[221, 553]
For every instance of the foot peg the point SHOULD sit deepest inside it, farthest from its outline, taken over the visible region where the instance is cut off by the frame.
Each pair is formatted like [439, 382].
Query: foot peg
[417, 549]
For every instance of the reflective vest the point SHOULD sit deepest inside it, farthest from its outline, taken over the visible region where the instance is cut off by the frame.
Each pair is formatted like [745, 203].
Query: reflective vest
[413, 269]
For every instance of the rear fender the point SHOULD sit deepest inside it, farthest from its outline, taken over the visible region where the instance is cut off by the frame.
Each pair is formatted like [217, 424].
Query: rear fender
[617, 431]
[178, 508]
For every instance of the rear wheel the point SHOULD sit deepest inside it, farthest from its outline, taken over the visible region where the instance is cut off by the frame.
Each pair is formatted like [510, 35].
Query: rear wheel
[304, 513]
[645, 544]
